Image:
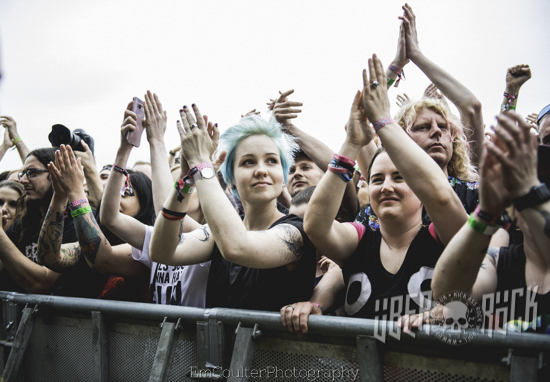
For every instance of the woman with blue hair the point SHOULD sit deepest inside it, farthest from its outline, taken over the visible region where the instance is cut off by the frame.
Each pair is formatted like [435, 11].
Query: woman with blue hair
[262, 262]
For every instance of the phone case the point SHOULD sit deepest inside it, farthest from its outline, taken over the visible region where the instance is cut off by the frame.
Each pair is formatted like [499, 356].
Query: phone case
[134, 137]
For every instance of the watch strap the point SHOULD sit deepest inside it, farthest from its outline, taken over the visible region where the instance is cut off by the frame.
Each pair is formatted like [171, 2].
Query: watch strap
[536, 195]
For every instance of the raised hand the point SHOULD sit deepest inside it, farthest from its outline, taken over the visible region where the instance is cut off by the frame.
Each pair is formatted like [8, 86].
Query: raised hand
[493, 195]
[199, 138]
[411, 35]
[358, 129]
[375, 93]
[68, 171]
[86, 158]
[155, 118]
[532, 120]
[7, 140]
[129, 123]
[401, 58]
[10, 125]
[254, 112]
[402, 100]
[284, 110]
[516, 76]
[517, 153]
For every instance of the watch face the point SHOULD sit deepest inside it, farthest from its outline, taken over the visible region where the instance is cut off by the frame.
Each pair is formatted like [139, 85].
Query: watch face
[207, 173]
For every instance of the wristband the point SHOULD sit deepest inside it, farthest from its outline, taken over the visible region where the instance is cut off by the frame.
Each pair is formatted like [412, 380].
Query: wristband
[341, 158]
[381, 123]
[390, 81]
[486, 217]
[510, 97]
[168, 217]
[317, 305]
[174, 213]
[184, 186]
[78, 202]
[480, 227]
[16, 140]
[337, 169]
[127, 183]
[400, 74]
[81, 211]
[344, 165]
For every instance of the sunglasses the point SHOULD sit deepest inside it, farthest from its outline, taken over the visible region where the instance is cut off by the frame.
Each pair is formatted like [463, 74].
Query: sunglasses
[30, 172]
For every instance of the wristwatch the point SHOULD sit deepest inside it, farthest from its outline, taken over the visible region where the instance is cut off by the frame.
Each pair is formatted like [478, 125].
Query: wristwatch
[203, 170]
[536, 195]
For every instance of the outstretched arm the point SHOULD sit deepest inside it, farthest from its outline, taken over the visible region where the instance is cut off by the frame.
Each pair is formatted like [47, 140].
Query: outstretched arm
[421, 173]
[516, 76]
[93, 181]
[6, 144]
[465, 101]
[11, 126]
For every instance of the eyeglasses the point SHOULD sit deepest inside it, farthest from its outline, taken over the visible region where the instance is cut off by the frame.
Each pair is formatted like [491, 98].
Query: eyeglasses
[30, 172]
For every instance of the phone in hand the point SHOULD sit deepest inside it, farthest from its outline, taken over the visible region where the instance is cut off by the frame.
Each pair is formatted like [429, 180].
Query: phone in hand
[134, 137]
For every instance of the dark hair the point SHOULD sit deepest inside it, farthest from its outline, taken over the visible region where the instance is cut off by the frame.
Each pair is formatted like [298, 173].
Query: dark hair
[378, 152]
[144, 189]
[4, 175]
[303, 196]
[30, 214]
[16, 186]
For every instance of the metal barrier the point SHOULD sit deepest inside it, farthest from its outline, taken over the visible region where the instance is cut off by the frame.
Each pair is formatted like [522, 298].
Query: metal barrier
[50, 338]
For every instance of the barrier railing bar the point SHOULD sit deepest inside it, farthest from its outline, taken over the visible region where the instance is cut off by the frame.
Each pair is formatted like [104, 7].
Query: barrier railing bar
[325, 325]
[165, 350]
[22, 337]
[243, 353]
[370, 359]
[100, 362]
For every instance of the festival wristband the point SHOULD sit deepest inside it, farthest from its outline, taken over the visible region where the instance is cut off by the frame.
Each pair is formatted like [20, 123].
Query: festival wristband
[81, 211]
[168, 217]
[337, 169]
[342, 158]
[340, 164]
[510, 97]
[318, 306]
[78, 202]
[381, 123]
[480, 227]
[127, 183]
[390, 82]
[16, 140]
[400, 74]
[486, 217]
[184, 186]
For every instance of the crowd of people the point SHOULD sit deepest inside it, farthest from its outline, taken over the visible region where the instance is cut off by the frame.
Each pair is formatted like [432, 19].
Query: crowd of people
[264, 216]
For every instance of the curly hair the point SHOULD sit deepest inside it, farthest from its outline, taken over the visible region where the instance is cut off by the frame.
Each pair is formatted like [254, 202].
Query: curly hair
[460, 166]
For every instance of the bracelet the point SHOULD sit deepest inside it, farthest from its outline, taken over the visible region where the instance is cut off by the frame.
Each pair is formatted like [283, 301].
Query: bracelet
[390, 82]
[486, 217]
[317, 305]
[16, 140]
[510, 97]
[337, 169]
[78, 202]
[81, 211]
[172, 153]
[127, 183]
[183, 186]
[480, 227]
[174, 213]
[400, 74]
[383, 122]
[341, 158]
[339, 164]
[167, 217]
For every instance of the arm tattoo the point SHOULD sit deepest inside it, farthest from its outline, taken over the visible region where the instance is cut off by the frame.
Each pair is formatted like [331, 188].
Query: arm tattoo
[293, 241]
[546, 216]
[49, 242]
[89, 235]
[205, 232]
[492, 252]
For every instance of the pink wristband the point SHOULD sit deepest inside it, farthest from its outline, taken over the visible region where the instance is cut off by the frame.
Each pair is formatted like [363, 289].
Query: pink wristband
[383, 122]
[78, 202]
[318, 306]
[341, 158]
[338, 170]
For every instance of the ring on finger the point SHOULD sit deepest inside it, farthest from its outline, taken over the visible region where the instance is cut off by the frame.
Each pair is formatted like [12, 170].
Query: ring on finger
[290, 306]
[193, 126]
[374, 84]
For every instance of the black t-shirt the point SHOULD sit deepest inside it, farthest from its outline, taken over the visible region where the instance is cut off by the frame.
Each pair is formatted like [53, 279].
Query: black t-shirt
[370, 287]
[513, 300]
[78, 281]
[234, 286]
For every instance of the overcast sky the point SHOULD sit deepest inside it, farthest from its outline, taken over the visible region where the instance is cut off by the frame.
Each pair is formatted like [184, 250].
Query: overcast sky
[79, 63]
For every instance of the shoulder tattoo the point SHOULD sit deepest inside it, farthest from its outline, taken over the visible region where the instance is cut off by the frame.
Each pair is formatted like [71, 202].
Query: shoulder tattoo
[293, 241]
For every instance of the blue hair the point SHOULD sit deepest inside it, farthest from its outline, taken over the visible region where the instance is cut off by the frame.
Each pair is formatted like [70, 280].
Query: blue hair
[255, 125]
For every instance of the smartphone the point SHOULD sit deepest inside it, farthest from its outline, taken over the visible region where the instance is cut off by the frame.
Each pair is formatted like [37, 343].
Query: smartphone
[134, 137]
